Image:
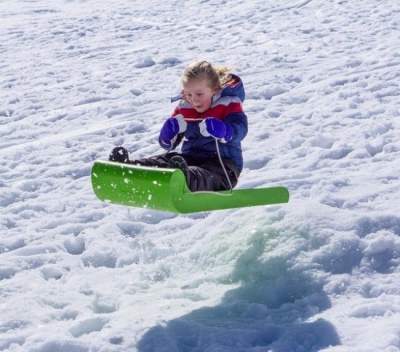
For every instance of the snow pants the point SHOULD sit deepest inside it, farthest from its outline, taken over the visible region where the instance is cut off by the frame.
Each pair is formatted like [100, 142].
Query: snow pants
[202, 174]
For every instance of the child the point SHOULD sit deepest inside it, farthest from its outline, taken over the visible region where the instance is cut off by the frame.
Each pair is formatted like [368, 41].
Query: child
[211, 122]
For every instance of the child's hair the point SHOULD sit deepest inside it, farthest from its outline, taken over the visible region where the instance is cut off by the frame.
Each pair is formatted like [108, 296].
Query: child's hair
[216, 76]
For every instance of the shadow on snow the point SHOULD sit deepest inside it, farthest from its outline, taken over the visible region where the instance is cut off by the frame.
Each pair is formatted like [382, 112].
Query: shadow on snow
[270, 311]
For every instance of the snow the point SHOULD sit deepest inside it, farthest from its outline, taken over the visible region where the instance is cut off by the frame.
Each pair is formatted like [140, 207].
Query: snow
[320, 273]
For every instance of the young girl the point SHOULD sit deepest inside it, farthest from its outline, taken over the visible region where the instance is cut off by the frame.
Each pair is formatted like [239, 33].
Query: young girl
[210, 120]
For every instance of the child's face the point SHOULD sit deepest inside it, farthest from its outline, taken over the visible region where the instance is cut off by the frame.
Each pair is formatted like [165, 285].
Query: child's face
[198, 94]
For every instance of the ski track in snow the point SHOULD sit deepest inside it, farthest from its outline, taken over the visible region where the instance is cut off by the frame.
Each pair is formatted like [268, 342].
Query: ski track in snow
[320, 273]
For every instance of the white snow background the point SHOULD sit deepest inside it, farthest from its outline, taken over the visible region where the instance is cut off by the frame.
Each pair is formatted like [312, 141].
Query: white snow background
[320, 273]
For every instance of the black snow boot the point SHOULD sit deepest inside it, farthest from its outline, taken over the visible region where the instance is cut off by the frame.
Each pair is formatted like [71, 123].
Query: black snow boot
[178, 162]
[120, 155]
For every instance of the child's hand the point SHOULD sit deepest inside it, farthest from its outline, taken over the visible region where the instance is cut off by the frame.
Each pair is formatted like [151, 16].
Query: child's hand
[170, 130]
[216, 128]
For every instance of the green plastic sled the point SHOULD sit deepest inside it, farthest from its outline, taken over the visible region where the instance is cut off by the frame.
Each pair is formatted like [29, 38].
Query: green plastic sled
[166, 190]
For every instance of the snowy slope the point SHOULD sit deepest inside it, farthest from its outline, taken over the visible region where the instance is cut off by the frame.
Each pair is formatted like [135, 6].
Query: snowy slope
[320, 273]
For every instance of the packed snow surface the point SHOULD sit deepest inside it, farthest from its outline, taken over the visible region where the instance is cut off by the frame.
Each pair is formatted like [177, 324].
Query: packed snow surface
[78, 78]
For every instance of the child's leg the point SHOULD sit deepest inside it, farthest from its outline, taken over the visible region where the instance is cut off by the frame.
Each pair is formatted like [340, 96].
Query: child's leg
[121, 155]
[161, 160]
[208, 175]
[201, 174]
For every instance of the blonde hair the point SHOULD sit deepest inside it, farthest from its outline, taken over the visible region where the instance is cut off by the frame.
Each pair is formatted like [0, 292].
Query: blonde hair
[216, 76]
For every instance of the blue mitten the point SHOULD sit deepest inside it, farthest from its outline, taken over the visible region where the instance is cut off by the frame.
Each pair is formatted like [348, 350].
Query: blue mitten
[170, 130]
[213, 127]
